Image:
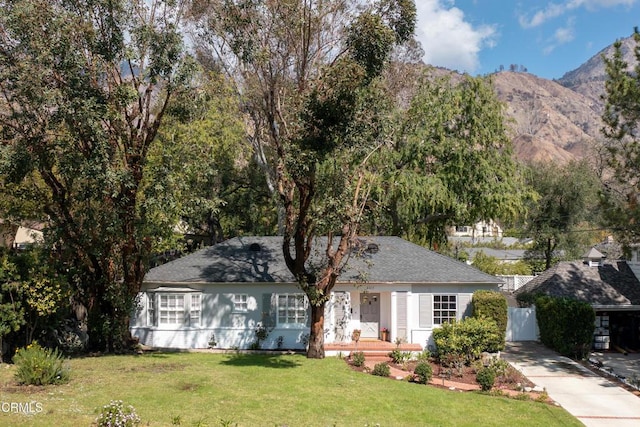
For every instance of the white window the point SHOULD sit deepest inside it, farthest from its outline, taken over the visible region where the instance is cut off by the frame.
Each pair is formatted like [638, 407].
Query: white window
[240, 302]
[292, 309]
[171, 309]
[445, 309]
[174, 309]
[194, 310]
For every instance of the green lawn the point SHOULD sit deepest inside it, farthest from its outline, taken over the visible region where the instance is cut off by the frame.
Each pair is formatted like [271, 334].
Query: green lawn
[257, 390]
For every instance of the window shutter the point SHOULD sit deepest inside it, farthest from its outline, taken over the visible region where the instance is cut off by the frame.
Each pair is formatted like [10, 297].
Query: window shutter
[464, 306]
[401, 314]
[426, 311]
[269, 310]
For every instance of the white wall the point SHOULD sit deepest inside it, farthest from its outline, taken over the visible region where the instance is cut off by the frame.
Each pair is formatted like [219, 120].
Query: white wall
[231, 329]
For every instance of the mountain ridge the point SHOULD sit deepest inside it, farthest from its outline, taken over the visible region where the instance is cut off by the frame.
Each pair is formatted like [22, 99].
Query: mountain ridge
[558, 120]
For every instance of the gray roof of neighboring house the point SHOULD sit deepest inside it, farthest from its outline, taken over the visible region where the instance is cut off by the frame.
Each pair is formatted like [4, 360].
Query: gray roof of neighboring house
[610, 283]
[507, 241]
[501, 254]
[396, 260]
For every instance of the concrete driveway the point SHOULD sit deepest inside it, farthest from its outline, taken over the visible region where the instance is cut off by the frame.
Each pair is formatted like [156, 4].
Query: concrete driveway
[591, 398]
[618, 364]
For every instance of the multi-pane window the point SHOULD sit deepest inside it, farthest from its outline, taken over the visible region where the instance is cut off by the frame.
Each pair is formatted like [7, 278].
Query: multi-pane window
[174, 309]
[292, 309]
[445, 309]
[240, 302]
[194, 310]
[171, 309]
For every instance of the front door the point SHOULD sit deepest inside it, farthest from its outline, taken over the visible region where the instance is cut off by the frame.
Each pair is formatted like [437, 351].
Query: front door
[369, 315]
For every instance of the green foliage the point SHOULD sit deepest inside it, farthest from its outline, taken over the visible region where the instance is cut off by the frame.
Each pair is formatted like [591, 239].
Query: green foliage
[566, 201]
[494, 266]
[486, 377]
[314, 113]
[621, 148]
[11, 309]
[357, 358]
[491, 305]
[89, 84]
[115, 414]
[566, 325]
[451, 162]
[424, 356]
[40, 366]
[381, 369]
[467, 339]
[527, 299]
[423, 372]
[201, 171]
[399, 357]
[33, 297]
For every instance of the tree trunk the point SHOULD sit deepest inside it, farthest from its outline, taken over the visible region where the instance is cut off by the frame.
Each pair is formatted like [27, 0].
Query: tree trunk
[316, 334]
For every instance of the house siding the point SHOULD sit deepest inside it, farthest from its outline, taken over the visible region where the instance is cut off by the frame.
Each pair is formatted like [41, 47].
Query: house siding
[406, 310]
[231, 329]
[420, 301]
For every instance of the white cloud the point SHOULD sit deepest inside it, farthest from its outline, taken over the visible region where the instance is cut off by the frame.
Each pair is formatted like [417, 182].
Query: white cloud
[553, 10]
[561, 36]
[448, 39]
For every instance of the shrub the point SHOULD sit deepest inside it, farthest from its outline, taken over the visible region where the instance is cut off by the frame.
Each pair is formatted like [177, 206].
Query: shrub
[116, 415]
[486, 377]
[492, 305]
[40, 366]
[357, 358]
[566, 325]
[423, 372]
[424, 356]
[399, 357]
[381, 369]
[467, 339]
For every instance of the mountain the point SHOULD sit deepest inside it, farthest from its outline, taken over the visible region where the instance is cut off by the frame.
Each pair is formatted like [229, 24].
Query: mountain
[557, 120]
[550, 122]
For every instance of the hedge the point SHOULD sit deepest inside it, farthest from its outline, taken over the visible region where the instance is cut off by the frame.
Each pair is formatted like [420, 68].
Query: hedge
[468, 338]
[491, 305]
[566, 325]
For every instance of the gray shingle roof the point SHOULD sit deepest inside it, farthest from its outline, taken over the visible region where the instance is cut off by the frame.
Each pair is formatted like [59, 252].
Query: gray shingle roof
[500, 254]
[396, 260]
[610, 283]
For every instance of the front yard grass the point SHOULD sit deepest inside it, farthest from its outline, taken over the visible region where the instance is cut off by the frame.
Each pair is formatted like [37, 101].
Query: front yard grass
[256, 390]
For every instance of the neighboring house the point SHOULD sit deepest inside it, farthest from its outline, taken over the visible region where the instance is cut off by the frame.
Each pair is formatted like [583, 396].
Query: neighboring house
[229, 289]
[611, 287]
[507, 256]
[481, 229]
[20, 236]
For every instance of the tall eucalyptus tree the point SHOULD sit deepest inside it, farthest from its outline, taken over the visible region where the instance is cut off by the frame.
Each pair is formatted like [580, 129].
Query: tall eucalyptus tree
[307, 71]
[84, 87]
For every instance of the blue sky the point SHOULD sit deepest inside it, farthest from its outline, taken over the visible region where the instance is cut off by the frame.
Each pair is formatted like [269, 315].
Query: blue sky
[549, 38]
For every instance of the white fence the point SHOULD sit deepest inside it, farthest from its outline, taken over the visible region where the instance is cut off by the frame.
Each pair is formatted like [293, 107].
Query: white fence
[522, 324]
[511, 283]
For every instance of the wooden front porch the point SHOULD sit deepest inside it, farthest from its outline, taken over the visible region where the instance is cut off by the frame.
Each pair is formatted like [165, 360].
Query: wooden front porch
[369, 346]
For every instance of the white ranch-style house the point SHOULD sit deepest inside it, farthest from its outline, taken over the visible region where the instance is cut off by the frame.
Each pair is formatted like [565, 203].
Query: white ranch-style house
[226, 291]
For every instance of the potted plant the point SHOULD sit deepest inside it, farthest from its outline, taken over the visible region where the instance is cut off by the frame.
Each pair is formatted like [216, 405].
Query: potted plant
[384, 334]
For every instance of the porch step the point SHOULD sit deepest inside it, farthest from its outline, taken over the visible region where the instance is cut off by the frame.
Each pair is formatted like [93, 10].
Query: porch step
[371, 349]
